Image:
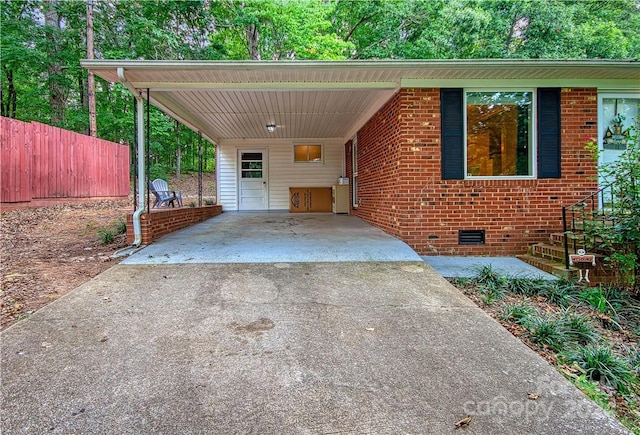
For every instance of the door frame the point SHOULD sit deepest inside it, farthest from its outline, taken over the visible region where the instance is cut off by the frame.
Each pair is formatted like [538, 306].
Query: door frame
[265, 173]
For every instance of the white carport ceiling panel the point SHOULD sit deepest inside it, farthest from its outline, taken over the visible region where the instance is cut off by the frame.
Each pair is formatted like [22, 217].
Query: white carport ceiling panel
[296, 113]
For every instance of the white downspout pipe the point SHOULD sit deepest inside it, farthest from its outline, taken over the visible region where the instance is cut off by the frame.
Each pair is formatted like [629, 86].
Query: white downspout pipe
[137, 230]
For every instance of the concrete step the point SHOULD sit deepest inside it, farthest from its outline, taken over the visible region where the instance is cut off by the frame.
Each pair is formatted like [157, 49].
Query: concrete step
[550, 266]
[548, 251]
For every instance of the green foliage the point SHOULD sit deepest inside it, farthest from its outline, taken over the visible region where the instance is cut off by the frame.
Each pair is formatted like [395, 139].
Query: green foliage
[560, 292]
[120, 227]
[209, 202]
[546, 331]
[488, 276]
[592, 390]
[518, 313]
[619, 234]
[106, 235]
[601, 364]
[578, 328]
[524, 286]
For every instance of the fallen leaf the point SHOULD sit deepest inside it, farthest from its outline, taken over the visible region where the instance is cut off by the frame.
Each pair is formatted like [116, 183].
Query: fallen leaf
[103, 339]
[533, 396]
[464, 422]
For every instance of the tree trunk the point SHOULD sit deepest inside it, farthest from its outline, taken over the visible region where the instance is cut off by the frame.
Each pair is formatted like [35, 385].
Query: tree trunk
[252, 41]
[54, 67]
[9, 105]
[91, 85]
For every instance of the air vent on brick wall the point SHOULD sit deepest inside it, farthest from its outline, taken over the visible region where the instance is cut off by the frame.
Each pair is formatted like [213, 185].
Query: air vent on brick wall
[471, 237]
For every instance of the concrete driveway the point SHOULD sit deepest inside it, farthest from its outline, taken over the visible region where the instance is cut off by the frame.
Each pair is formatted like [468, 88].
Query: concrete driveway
[380, 347]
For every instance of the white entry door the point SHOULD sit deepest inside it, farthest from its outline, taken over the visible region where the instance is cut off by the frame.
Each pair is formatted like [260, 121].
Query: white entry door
[252, 179]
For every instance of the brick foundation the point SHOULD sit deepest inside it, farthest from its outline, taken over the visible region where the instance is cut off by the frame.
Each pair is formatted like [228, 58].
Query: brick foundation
[161, 222]
[402, 192]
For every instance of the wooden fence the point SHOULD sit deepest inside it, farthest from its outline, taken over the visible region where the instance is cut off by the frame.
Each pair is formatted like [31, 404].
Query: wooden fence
[40, 162]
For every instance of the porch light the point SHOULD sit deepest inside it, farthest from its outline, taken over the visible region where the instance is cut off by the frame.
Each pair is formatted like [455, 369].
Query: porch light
[271, 128]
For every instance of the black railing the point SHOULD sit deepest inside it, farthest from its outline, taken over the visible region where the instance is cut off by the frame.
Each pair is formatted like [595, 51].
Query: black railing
[580, 220]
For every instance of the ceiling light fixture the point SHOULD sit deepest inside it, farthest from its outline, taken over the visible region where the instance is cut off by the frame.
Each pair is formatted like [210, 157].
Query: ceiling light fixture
[271, 128]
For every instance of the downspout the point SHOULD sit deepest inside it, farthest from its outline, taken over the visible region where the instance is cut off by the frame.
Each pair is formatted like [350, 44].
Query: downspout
[137, 230]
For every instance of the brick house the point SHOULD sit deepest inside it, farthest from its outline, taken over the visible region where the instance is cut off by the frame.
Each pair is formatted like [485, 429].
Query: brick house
[453, 157]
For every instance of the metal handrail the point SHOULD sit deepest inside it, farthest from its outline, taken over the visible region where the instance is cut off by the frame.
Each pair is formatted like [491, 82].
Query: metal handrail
[591, 202]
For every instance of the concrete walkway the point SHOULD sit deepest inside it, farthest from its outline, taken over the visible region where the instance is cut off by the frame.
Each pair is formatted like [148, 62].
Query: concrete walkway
[282, 347]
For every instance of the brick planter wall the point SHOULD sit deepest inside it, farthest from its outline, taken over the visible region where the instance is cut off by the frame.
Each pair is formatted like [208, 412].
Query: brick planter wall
[402, 192]
[161, 222]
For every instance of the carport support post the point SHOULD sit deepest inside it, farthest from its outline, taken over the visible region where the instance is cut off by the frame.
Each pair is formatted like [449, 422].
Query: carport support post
[199, 169]
[137, 231]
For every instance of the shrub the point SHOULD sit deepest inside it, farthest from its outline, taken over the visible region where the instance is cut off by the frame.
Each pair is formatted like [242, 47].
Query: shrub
[578, 328]
[106, 236]
[546, 331]
[490, 292]
[121, 227]
[600, 364]
[560, 292]
[517, 313]
[524, 286]
[488, 276]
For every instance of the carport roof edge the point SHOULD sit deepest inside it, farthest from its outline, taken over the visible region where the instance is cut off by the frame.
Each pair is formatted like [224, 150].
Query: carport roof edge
[236, 99]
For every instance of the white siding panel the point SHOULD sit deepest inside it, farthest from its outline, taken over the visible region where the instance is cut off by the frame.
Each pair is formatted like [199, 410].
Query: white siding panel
[283, 173]
[227, 171]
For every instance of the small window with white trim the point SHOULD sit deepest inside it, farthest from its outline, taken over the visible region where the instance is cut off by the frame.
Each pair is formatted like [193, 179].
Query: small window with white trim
[500, 134]
[307, 153]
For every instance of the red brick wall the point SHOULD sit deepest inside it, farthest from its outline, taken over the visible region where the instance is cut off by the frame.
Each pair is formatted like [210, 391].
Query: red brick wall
[402, 192]
[165, 221]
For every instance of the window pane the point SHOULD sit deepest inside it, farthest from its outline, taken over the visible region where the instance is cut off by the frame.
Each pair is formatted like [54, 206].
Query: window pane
[300, 153]
[619, 116]
[315, 153]
[251, 174]
[251, 156]
[251, 165]
[307, 153]
[499, 133]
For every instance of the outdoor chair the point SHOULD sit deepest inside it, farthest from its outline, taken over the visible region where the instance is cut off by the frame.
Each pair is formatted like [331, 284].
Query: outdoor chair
[164, 196]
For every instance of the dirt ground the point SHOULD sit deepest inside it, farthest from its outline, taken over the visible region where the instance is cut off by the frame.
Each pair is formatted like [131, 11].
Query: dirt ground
[46, 252]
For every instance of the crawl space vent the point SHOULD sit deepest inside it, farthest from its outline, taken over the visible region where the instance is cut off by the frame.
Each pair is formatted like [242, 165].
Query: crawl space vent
[470, 237]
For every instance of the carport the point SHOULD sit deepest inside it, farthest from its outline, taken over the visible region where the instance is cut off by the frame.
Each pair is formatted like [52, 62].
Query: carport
[245, 237]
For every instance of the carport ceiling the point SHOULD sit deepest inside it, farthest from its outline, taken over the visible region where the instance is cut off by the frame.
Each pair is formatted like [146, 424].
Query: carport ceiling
[324, 99]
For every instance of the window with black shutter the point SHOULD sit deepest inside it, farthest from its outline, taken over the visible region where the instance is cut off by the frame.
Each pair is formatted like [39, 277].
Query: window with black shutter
[499, 134]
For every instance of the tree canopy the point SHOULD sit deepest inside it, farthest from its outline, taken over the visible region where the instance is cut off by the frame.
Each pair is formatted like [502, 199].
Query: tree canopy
[44, 40]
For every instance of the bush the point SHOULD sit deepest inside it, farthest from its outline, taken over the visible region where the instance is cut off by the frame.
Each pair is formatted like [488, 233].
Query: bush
[524, 286]
[546, 331]
[106, 236]
[488, 276]
[517, 313]
[600, 364]
[560, 292]
[578, 328]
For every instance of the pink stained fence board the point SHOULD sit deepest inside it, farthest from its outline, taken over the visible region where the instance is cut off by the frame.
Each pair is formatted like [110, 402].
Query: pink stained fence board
[43, 162]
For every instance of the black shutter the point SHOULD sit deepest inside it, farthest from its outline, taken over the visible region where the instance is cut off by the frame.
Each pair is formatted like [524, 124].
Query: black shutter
[549, 156]
[452, 127]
